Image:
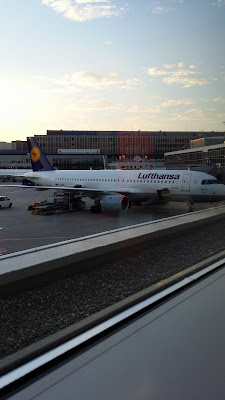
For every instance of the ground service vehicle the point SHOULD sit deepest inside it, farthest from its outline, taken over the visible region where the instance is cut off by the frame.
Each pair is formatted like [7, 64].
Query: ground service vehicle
[5, 202]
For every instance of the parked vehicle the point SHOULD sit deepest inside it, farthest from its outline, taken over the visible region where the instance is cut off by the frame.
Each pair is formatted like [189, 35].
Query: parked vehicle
[5, 202]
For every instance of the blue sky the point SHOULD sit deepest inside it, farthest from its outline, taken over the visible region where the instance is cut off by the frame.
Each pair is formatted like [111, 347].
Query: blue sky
[111, 65]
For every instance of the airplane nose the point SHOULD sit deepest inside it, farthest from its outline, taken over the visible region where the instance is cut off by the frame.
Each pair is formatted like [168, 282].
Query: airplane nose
[222, 190]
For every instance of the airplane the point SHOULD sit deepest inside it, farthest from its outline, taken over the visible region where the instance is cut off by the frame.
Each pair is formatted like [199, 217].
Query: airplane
[13, 172]
[116, 190]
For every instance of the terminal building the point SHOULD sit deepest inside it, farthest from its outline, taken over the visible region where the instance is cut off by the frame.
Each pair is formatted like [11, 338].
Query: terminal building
[204, 151]
[118, 149]
[206, 154]
[120, 144]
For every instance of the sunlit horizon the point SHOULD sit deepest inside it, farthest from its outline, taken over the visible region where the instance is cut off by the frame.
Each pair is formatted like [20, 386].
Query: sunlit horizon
[111, 66]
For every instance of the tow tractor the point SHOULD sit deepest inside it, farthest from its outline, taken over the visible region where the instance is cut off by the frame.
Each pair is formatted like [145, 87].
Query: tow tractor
[60, 202]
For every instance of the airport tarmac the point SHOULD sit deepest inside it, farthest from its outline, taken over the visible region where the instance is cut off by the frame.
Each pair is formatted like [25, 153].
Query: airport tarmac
[20, 229]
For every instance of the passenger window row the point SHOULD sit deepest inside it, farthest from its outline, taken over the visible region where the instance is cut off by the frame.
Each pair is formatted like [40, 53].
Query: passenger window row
[117, 180]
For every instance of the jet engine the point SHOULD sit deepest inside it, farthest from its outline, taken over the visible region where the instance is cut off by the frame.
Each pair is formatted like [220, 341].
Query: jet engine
[114, 202]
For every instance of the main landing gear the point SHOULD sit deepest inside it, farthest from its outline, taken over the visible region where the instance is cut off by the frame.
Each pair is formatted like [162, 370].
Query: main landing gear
[97, 208]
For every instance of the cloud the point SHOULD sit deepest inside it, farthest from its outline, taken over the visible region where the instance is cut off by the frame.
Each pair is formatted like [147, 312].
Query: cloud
[189, 115]
[159, 108]
[178, 74]
[135, 110]
[219, 100]
[160, 8]
[156, 71]
[84, 10]
[84, 79]
[154, 110]
[219, 3]
[92, 105]
[170, 103]
[143, 110]
[89, 79]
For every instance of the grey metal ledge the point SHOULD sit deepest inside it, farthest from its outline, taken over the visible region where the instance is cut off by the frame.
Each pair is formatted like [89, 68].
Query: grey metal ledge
[48, 349]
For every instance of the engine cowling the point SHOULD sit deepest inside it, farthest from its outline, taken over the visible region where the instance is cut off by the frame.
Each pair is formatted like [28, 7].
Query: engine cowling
[114, 202]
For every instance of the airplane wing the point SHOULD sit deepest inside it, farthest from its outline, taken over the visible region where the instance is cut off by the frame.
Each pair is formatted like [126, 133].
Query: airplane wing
[90, 192]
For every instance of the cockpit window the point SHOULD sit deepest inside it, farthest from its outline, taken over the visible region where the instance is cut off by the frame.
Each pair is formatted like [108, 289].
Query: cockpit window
[210, 182]
[215, 181]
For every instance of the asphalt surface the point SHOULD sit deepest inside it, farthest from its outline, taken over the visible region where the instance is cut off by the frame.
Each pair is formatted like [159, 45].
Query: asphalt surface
[20, 229]
[32, 315]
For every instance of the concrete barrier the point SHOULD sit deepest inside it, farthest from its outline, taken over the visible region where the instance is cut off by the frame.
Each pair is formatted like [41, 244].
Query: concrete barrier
[24, 268]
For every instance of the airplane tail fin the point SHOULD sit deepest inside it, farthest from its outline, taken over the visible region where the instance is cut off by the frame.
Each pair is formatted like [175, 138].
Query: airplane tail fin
[39, 161]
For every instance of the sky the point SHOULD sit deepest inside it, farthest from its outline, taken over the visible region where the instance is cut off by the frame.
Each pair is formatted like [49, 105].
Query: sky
[111, 65]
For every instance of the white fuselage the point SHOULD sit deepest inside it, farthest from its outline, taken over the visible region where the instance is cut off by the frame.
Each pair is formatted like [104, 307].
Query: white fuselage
[141, 185]
[13, 171]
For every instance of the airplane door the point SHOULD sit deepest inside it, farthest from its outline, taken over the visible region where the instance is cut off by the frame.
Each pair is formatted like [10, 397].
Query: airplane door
[186, 182]
[122, 182]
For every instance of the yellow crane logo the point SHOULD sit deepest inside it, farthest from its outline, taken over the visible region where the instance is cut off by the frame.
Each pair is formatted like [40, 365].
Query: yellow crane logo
[35, 154]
